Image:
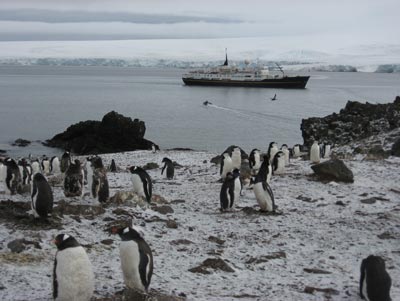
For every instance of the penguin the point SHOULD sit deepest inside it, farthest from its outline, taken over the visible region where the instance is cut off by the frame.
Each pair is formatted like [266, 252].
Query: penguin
[55, 165]
[254, 161]
[296, 151]
[325, 151]
[264, 195]
[73, 181]
[272, 150]
[153, 148]
[278, 164]
[100, 188]
[226, 165]
[65, 161]
[136, 258]
[42, 196]
[170, 168]
[113, 166]
[25, 171]
[230, 190]
[13, 176]
[45, 165]
[375, 281]
[286, 152]
[142, 183]
[314, 153]
[35, 166]
[3, 172]
[265, 170]
[89, 172]
[236, 158]
[274, 98]
[73, 277]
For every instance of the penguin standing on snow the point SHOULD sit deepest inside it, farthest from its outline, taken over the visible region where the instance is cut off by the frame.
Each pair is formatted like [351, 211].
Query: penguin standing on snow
[25, 171]
[170, 168]
[230, 190]
[226, 165]
[296, 151]
[54, 165]
[65, 162]
[141, 181]
[35, 166]
[73, 181]
[278, 164]
[286, 152]
[254, 161]
[99, 187]
[136, 258]
[325, 151]
[73, 277]
[113, 166]
[13, 176]
[265, 170]
[315, 153]
[42, 196]
[264, 195]
[45, 165]
[236, 158]
[272, 150]
[88, 171]
[375, 282]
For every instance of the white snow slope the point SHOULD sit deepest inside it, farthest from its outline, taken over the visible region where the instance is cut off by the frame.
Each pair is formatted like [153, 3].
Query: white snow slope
[316, 233]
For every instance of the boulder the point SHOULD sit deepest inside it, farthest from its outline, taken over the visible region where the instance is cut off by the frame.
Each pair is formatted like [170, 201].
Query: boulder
[356, 121]
[21, 142]
[114, 133]
[333, 170]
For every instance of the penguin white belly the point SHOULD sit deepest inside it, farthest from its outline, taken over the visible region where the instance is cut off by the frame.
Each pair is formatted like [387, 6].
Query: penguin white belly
[56, 166]
[46, 167]
[3, 172]
[237, 190]
[138, 185]
[364, 288]
[280, 167]
[130, 259]
[286, 153]
[236, 160]
[21, 171]
[269, 174]
[273, 152]
[296, 152]
[35, 168]
[314, 154]
[327, 152]
[263, 198]
[89, 176]
[74, 275]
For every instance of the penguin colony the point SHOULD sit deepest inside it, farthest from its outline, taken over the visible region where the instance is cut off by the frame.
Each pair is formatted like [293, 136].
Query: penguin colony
[73, 277]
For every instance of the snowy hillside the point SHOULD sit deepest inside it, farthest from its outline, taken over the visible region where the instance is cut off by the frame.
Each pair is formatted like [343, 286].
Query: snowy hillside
[312, 251]
[185, 53]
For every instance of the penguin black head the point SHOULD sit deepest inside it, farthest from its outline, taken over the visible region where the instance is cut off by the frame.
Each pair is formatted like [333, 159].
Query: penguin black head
[236, 173]
[97, 162]
[165, 159]
[64, 241]
[133, 169]
[128, 233]
[38, 177]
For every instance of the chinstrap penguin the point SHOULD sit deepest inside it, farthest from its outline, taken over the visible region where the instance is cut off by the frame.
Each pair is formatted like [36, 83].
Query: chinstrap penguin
[264, 194]
[236, 158]
[272, 150]
[254, 161]
[286, 152]
[226, 165]
[230, 190]
[73, 277]
[141, 181]
[278, 164]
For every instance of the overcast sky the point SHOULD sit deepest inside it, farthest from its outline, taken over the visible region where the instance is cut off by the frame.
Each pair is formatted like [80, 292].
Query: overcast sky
[346, 21]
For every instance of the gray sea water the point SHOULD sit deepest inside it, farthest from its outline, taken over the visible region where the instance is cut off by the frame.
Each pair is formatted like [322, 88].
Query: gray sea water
[37, 102]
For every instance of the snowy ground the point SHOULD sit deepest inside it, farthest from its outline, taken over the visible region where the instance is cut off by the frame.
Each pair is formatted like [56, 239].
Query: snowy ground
[324, 226]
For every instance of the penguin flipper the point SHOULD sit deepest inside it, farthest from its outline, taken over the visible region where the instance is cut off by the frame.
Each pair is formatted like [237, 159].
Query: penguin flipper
[162, 170]
[55, 282]
[145, 268]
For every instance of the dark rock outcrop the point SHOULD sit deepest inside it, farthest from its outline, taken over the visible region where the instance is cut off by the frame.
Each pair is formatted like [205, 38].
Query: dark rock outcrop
[21, 142]
[356, 121]
[396, 148]
[114, 133]
[333, 170]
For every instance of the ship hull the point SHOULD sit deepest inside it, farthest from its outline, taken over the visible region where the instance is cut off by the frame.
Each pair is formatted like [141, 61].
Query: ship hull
[289, 82]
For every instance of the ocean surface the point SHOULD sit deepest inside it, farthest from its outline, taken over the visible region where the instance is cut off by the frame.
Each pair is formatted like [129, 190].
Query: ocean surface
[38, 102]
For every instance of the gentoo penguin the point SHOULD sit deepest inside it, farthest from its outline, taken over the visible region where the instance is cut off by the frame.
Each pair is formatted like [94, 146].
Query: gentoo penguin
[42, 196]
[35, 166]
[99, 187]
[25, 171]
[170, 168]
[136, 258]
[113, 166]
[54, 165]
[236, 158]
[13, 176]
[65, 162]
[278, 164]
[375, 282]
[296, 151]
[325, 151]
[264, 195]
[73, 181]
[230, 190]
[45, 165]
[265, 170]
[314, 153]
[226, 165]
[141, 181]
[3, 172]
[286, 152]
[254, 161]
[73, 277]
[272, 150]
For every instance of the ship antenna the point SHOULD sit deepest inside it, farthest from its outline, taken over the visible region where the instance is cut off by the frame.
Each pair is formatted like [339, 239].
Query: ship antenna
[226, 57]
[280, 68]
